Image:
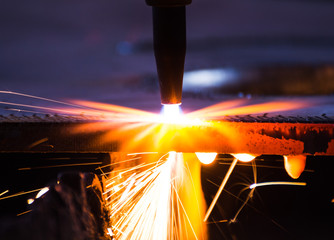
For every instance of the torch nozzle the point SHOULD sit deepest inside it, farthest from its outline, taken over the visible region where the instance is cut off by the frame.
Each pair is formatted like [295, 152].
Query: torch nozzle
[169, 37]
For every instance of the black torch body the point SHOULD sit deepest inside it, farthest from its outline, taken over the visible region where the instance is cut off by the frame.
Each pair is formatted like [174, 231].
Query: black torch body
[169, 41]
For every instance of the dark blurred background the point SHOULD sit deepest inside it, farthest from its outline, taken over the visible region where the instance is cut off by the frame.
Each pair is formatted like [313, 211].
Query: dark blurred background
[102, 50]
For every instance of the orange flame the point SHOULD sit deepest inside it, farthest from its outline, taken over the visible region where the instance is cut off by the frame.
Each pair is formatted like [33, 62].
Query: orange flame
[145, 131]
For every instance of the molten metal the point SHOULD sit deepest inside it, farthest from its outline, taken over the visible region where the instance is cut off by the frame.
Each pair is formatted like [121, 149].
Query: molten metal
[244, 157]
[294, 165]
[206, 158]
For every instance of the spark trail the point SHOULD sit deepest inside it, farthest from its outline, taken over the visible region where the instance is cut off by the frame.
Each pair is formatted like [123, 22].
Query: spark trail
[150, 203]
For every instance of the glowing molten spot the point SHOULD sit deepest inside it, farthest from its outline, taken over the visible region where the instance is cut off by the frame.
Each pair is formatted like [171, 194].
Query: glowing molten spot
[206, 158]
[42, 192]
[244, 157]
[171, 113]
[294, 165]
[30, 201]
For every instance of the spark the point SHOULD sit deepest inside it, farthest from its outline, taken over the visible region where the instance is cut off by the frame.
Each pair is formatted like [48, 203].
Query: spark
[152, 196]
[61, 165]
[119, 162]
[255, 209]
[233, 195]
[255, 185]
[42, 192]
[20, 214]
[222, 185]
[30, 201]
[242, 157]
[43, 140]
[3, 193]
[220, 221]
[39, 98]
[20, 194]
[37, 107]
[250, 195]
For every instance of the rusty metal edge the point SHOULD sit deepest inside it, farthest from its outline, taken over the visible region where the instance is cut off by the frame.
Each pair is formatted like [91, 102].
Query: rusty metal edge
[287, 138]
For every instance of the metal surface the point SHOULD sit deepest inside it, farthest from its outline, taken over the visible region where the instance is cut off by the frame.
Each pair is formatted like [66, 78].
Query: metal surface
[250, 134]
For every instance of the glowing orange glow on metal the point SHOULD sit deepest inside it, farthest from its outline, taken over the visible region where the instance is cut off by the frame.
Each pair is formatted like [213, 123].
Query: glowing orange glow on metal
[294, 165]
[206, 158]
[244, 157]
[30, 201]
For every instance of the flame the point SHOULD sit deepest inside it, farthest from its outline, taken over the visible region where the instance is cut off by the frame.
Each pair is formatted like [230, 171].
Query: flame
[232, 108]
[146, 131]
[139, 130]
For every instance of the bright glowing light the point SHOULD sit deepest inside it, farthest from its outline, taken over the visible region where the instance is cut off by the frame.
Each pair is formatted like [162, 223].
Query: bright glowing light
[30, 201]
[42, 192]
[294, 165]
[206, 157]
[171, 113]
[254, 185]
[244, 157]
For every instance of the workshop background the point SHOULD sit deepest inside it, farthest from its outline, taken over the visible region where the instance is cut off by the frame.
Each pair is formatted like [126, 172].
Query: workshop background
[259, 50]
[102, 50]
